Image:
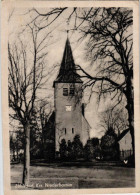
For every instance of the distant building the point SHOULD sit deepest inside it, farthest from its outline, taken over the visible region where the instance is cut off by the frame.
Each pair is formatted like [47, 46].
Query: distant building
[125, 144]
[15, 150]
[68, 118]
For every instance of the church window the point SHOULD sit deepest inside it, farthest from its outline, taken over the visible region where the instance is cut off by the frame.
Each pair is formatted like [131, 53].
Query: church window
[65, 91]
[65, 131]
[71, 91]
[72, 130]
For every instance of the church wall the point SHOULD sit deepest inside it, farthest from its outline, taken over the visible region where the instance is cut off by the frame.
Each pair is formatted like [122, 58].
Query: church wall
[85, 131]
[126, 142]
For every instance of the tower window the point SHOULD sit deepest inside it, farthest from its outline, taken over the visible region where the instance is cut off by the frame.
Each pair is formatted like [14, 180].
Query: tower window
[71, 91]
[68, 108]
[65, 91]
[72, 130]
[65, 131]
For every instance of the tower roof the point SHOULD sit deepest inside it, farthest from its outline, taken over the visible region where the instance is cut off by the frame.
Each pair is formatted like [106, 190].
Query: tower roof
[67, 72]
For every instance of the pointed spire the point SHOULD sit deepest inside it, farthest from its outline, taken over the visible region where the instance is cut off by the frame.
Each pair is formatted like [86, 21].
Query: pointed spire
[67, 60]
[67, 71]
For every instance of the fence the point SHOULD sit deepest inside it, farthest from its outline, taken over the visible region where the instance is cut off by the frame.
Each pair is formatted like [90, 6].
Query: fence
[125, 154]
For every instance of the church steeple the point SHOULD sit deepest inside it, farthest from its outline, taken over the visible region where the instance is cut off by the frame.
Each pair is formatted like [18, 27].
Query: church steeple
[67, 61]
[67, 72]
[69, 119]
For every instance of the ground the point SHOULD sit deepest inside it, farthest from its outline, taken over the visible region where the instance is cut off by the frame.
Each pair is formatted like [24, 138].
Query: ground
[72, 176]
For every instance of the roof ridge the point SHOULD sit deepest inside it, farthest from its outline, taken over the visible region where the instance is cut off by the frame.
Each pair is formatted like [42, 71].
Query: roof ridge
[123, 133]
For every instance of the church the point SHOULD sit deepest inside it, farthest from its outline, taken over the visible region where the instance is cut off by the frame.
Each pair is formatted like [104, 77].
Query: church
[68, 118]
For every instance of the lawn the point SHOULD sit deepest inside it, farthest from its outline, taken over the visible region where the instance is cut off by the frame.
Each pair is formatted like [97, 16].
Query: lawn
[103, 176]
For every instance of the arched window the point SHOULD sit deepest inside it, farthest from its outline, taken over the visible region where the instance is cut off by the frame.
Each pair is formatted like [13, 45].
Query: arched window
[72, 130]
[71, 91]
[65, 91]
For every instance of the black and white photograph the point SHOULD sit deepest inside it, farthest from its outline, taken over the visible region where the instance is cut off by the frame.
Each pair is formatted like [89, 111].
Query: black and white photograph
[71, 98]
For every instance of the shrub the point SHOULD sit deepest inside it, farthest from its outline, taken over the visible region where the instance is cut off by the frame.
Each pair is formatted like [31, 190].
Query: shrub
[63, 149]
[109, 145]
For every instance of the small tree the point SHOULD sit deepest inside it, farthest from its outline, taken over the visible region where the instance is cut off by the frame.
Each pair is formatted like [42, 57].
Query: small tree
[96, 147]
[63, 149]
[109, 145]
[12, 147]
[95, 141]
[89, 150]
[70, 150]
[77, 147]
[115, 118]
[50, 151]
[16, 143]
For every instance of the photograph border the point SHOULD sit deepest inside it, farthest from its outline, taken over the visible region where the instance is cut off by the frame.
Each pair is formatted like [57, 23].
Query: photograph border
[5, 110]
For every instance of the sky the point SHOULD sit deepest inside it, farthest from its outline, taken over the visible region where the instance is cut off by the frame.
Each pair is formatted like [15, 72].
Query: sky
[19, 18]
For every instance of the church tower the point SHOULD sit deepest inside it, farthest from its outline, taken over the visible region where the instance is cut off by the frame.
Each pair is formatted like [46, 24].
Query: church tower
[68, 101]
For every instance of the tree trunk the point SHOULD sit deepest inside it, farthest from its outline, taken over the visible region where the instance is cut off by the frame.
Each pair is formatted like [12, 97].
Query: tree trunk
[14, 155]
[130, 109]
[131, 125]
[26, 169]
[17, 149]
[42, 142]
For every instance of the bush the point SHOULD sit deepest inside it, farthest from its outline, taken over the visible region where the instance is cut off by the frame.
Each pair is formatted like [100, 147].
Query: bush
[63, 149]
[70, 152]
[109, 146]
[77, 147]
[88, 150]
[49, 153]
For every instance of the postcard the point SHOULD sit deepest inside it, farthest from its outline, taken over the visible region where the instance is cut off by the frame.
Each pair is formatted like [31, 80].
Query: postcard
[70, 97]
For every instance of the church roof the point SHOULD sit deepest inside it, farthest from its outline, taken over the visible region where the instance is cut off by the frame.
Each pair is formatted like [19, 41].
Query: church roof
[123, 134]
[67, 72]
[50, 128]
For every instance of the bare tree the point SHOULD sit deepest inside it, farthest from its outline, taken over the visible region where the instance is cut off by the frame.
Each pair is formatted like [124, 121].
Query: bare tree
[113, 118]
[26, 76]
[110, 43]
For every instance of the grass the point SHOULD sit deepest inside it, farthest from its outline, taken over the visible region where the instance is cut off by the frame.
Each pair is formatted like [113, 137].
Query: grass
[86, 177]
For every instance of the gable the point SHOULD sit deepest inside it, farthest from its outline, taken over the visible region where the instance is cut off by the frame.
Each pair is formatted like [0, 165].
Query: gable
[126, 142]
[123, 134]
[50, 128]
